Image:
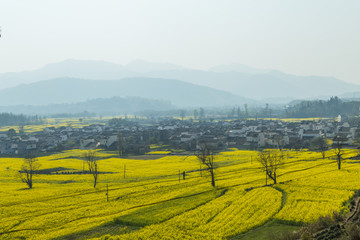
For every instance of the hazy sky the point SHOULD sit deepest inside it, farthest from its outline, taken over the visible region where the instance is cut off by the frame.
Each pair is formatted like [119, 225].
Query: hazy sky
[303, 37]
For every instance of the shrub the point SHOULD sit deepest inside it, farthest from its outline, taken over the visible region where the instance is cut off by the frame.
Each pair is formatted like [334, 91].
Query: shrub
[353, 231]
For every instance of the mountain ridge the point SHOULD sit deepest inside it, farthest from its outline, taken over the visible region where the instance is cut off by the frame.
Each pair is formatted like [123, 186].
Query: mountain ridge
[68, 90]
[237, 79]
[102, 106]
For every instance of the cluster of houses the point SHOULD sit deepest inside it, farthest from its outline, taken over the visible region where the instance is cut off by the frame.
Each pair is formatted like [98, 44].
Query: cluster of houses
[135, 137]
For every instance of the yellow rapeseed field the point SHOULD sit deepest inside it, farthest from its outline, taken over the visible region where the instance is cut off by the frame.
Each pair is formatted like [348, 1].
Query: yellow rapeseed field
[150, 199]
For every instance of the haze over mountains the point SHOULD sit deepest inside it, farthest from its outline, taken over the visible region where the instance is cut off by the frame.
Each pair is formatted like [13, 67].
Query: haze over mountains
[71, 90]
[103, 106]
[72, 81]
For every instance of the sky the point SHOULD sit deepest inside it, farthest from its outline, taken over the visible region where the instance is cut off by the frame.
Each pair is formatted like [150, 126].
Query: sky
[302, 37]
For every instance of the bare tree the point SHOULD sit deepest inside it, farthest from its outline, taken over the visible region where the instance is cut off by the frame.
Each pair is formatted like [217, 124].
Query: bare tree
[320, 144]
[338, 142]
[28, 169]
[196, 114]
[238, 112]
[270, 161]
[206, 157]
[202, 113]
[91, 160]
[121, 144]
[182, 114]
[246, 110]
[11, 133]
[22, 129]
[279, 139]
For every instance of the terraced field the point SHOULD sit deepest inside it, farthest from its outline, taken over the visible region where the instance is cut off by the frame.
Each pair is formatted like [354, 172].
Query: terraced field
[150, 200]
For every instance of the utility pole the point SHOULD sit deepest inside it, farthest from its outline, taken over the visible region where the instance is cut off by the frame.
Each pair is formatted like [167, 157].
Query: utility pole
[124, 170]
[200, 171]
[107, 192]
[266, 178]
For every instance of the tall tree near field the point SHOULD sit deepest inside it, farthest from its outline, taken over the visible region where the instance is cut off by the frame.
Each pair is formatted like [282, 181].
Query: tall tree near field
[121, 144]
[232, 114]
[11, 133]
[320, 144]
[182, 114]
[246, 110]
[267, 111]
[357, 135]
[92, 163]
[206, 157]
[279, 140]
[270, 161]
[22, 129]
[196, 113]
[338, 143]
[28, 169]
[202, 113]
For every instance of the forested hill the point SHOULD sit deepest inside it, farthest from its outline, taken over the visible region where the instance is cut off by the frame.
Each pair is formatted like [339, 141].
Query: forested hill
[9, 119]
[102, 106]
[320, 108]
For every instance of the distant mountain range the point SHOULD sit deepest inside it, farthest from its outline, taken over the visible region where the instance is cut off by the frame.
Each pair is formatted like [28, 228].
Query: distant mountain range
[271, 85]
[93, 70]
[240, 80]
[72, 90]
[103, 106]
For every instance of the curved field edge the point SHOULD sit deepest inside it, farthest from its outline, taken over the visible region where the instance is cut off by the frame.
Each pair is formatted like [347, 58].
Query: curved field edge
[150, 214]
[51, 209]
[234, 212]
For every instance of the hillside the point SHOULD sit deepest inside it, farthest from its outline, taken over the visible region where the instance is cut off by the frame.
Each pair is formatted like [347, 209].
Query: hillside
[320, 108]
[263, 85]
[102, 106]
[72, 90]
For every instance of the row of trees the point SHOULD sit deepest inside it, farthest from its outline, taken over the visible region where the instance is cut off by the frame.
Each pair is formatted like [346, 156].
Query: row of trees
[321, 108]
[269, 159]
[9, 119]
[234, 112]
[313, 108]
[272, 159]
[31, 165]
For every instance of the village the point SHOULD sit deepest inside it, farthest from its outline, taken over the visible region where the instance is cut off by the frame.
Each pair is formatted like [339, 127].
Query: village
[136, 137]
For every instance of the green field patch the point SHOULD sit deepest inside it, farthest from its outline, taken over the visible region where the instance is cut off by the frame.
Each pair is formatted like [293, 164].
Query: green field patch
[54, 170]
[105, 229]
[269, 231]
[146, 215]
[167, 209]
[62, 170]
[159, 152]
